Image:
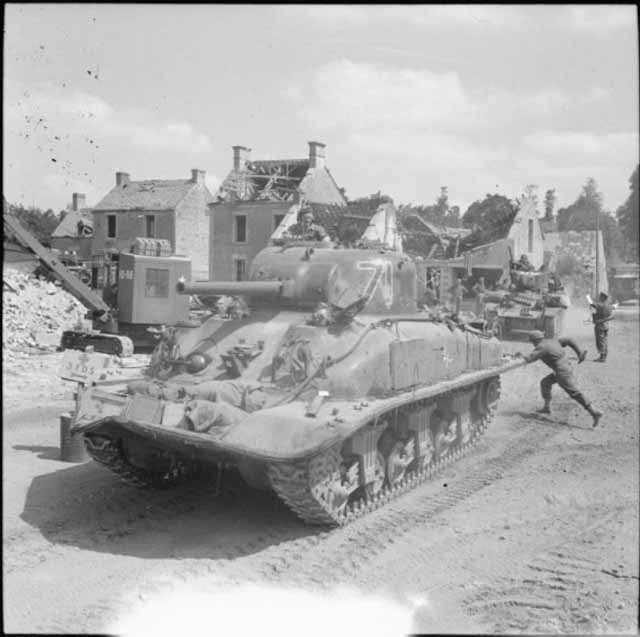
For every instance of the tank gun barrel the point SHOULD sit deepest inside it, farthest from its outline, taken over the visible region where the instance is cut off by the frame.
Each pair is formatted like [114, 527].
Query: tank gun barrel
[231, 288]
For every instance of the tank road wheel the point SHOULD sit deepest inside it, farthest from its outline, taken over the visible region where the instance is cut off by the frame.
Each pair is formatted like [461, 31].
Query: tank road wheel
[399, 458]
[374, 487]
[428, 449]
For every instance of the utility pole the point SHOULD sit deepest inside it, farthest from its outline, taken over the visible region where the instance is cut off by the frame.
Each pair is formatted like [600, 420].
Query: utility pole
[597, 290]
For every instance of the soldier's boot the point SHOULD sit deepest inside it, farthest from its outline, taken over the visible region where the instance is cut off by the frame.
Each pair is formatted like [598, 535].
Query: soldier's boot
[582, 356]
[546, 409]
[595, 414]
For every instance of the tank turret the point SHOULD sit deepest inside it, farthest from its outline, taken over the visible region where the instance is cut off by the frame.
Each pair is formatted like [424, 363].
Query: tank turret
[380, 281]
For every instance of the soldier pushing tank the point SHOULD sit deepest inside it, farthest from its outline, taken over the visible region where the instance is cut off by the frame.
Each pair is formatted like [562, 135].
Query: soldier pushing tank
[551, 353]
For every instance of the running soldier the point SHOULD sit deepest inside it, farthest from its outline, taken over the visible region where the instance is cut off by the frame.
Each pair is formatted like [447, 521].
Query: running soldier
[551, 352]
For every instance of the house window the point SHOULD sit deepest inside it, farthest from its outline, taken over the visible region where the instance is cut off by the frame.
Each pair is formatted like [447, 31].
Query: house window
[150, 226]
[240, 234]
[277, 220]
[530, 236]
[156, 283]
[240, 267]
[111, 226]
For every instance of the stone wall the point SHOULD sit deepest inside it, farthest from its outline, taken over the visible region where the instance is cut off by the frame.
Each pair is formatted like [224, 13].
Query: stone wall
[192, 231]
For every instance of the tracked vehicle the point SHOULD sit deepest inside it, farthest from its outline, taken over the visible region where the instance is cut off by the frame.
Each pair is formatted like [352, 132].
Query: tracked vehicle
[336, 392]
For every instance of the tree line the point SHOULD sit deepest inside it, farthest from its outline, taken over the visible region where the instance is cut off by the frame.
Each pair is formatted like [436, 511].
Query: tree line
[619, 230]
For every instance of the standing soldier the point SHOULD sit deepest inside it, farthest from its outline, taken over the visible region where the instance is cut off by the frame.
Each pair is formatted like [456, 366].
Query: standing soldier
[550, 351]
[601, 316]
[479, 290]
[456, 292]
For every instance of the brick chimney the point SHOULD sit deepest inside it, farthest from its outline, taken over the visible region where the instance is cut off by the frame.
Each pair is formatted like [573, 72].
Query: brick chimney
[240, 157]
[78, 201]
[197, 176]
[316, 155]
[122, 179]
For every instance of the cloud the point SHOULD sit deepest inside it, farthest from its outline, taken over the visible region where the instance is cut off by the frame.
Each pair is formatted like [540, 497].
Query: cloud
[50, 108]
[582, 144]
[361, 96]
[431, 17]
[600, 20]
[414, 130]
[60, 187]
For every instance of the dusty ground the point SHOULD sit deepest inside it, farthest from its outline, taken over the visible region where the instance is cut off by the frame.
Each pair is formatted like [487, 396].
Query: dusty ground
[535, 532]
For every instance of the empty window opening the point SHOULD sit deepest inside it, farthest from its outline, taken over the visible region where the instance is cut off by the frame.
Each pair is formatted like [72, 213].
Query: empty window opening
[241, 269]
[111, 226]
[150, 226]
[241, 228]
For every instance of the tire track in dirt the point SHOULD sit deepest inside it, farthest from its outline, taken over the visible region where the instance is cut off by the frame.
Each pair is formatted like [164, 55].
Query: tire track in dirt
[560, 577]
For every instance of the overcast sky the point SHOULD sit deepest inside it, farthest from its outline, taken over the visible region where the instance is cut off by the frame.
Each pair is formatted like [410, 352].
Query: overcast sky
[479, 98]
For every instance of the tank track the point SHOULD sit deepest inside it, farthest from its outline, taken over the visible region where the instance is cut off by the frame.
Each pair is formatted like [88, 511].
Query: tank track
[291, 482]
[110, 454]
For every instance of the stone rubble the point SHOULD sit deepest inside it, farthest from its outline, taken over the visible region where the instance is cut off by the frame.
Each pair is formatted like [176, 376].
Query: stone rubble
[35, 312]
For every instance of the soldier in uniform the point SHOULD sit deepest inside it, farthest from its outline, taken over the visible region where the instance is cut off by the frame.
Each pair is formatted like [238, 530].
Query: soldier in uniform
[479, 290]
[305, 228]
[601, 316]
[551, 352]
[455, 299]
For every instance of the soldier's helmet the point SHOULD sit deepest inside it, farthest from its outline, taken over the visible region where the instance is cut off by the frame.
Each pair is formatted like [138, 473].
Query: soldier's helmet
[305, 210]
[536, 336]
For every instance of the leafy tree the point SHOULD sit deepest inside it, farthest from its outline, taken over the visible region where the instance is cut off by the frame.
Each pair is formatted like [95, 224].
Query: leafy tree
[40, 224]
[490, 217]
[582, 214]
[627, 215]
[549, 203]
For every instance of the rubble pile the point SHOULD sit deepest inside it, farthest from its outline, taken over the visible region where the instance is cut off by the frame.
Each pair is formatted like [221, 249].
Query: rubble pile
[34, 313]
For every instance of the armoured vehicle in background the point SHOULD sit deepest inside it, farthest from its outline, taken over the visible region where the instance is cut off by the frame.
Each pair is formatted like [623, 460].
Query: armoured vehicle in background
[530, 304]
[335, 392]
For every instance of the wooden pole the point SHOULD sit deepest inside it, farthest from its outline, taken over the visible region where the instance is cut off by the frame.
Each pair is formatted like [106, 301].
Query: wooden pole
[597, 290]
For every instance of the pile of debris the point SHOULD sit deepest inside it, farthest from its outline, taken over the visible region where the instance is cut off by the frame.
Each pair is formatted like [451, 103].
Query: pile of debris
[34, 313]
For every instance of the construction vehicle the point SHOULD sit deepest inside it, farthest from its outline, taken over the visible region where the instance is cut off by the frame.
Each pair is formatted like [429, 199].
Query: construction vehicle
[336, 392]
[138, 292]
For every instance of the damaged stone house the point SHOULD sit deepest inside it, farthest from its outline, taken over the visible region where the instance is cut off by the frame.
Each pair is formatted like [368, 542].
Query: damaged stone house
[253, 200]
[75, 231]
[171, 209]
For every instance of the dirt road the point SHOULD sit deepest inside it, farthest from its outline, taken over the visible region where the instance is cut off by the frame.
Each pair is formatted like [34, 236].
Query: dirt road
[536, 531]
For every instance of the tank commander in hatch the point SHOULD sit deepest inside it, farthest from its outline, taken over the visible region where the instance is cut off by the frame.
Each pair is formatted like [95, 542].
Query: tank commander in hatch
[305, 229]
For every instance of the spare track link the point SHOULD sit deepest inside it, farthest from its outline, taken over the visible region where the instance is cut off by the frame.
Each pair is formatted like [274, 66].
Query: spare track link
[290, 481]
[110, 454]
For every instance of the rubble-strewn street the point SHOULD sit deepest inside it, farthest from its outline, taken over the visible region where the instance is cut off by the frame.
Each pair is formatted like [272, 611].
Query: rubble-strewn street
[535, 531]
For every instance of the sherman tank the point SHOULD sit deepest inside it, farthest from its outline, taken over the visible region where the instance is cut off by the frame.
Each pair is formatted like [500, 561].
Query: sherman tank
[531, 304]
[334, 390]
